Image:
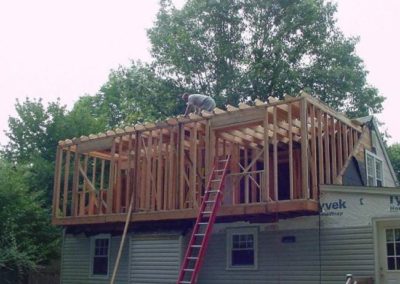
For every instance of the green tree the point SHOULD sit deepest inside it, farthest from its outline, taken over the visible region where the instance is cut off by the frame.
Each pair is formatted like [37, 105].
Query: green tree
[394, 155]
[34, 134]
[26, 179]
[26, 236]
[133, 94]
[246, 49]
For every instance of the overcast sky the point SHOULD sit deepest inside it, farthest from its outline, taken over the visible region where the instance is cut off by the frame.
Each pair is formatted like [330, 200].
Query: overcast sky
[65, 49]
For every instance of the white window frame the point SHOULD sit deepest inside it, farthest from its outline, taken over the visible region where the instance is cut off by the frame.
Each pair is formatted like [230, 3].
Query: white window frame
[376, 159]
[92, 248]
[230, 232]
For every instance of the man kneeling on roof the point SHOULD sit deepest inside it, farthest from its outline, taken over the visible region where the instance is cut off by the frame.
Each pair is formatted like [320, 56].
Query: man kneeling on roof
[198, 102]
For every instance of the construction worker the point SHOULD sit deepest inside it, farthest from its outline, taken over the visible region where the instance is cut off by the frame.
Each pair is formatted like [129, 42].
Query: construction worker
[199, 102]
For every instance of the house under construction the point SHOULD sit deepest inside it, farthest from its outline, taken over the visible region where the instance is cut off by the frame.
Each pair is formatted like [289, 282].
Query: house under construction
[250, 193]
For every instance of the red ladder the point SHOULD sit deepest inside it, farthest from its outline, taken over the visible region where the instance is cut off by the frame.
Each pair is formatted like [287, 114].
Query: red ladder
[205, 220]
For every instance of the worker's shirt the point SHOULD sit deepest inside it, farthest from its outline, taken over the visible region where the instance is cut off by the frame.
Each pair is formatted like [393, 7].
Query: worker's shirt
[197, 100]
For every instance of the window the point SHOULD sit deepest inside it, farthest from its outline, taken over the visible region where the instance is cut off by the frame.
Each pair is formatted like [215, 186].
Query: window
[374, 169]
[242, 248]
[393, 249]
[100, 255]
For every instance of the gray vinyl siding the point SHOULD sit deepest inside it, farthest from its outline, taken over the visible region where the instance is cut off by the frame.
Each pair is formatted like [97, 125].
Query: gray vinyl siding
[76, 261]
[346, 250]
[154, 259]
[388, 180]
[277, 262]
[324, 256]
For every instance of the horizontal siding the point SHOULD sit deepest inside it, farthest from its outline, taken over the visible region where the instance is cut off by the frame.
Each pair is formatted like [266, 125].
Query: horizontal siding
[389, 180]
[76, 261]
[154, 259]
[346, 250]
[277, 262]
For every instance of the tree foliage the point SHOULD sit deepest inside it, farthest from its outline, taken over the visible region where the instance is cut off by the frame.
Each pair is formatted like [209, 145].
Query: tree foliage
[133, 94]
[36, 129]
[26, 179]
[245, 49]
[26, 236]
[34, 134]
[394, 155]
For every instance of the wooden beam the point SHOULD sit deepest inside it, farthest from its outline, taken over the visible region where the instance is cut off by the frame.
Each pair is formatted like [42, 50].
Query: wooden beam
[246, 177]
[149, 153]
[333, 149]
[275, 154]
[241, 211]
[128, 187]
[253, 164]
[290, 146]
[160, 172]
[136, 179]
[110, 193]
[265, 191]
[327, 150]
[181, 166]
[339, 145]
[193, 155]
[314, 179]
[66, 181]
[153, 173]
[83, 195]
[101, 189]
[207, 152]
[172, 173]
[320, 148]
[346, 143]
[351, 142]
[118, 192]
[304, 148]
[75, 184]
[86, 179]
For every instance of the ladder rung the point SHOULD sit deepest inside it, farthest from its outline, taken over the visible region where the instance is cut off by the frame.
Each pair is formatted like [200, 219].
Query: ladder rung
[189, 269]
[199, 235]
[185, 282]
[193, 257]
[210, 201]
[214, 180]
[207, 212]
[203, 223]
[221, 161]
[213, 191]
[219, 170]
[196, 246]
